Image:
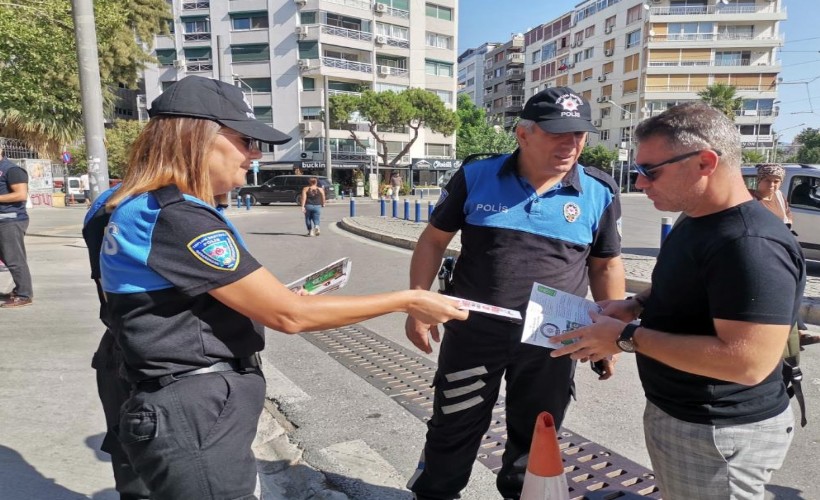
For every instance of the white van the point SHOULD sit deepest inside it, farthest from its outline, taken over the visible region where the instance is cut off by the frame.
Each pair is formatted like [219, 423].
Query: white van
[801, 187]
[73, 187]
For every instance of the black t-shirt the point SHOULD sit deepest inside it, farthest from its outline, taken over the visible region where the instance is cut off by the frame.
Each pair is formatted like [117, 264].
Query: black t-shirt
[741, 264]
[158, 264]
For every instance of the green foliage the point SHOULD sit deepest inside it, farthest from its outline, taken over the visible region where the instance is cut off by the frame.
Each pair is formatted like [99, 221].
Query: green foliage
[118, 141]
[752, 157]
[475, 135]
[39, 89]
[809, 140]
[599, 157]
[722, 97]
[413, 108]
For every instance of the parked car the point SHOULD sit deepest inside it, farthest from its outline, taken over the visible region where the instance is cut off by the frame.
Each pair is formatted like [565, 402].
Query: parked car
[72, 187]
[284, 189]
[801, 187]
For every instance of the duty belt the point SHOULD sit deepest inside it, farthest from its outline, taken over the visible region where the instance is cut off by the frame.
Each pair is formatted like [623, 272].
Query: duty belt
[247, 364]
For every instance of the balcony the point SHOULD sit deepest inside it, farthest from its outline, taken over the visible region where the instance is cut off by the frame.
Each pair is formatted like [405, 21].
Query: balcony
[756, 112]
[332, 92]
[390, 11]
[356, 4]
[194, 66]
[347, 33]
[195, 5]
[332, 62]
[392, 71]
[678, 64]
[698, 88]
[197, 37]
[516, 58]
[695, 10]
[746, 38]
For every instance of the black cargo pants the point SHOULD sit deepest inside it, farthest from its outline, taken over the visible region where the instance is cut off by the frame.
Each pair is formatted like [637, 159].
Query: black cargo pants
[474, 356]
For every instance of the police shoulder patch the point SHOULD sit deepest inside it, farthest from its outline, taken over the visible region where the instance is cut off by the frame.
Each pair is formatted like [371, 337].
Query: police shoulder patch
[216, 249]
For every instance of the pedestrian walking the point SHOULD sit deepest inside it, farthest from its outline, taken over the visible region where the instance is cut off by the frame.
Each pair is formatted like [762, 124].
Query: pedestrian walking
[190, 300]
[725, 292]
[396, 184]
[86, 188]
[313, 199]
[14, 222]
[536, 215]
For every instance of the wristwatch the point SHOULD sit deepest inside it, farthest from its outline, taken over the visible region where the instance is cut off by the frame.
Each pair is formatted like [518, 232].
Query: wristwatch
[625, 341]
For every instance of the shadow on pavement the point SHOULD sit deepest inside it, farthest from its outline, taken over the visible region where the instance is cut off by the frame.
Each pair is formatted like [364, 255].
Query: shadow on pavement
[19, 480]
[785, 493]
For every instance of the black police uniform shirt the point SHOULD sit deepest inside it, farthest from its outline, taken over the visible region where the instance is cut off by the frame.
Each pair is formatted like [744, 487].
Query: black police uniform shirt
[94, 223]
[740, 264]
[511, 236]
[10, 174]
[161, 255]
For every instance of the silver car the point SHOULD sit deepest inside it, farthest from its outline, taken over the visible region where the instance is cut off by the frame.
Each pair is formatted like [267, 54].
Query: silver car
[801, 187]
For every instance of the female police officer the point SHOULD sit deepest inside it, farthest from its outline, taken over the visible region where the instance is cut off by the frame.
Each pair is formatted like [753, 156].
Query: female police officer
[184, 296]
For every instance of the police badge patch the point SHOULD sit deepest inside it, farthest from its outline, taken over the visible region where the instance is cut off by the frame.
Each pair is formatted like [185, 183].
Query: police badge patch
[571, 211]
[216, 249]
[442, 197]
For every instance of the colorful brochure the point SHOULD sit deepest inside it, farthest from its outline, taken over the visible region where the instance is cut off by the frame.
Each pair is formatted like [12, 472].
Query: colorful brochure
[329, 278]
[551, 312]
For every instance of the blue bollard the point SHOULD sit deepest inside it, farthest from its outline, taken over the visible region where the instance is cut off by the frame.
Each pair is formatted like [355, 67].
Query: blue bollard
[666, 227]
[247, 202]
[395, 209]
[352, 207]
[429, 210]
[382, 207]
[418, 211]
[406, 209]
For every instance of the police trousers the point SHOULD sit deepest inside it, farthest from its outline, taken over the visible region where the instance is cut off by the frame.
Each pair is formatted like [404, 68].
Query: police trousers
[474, 357]
[191, 439]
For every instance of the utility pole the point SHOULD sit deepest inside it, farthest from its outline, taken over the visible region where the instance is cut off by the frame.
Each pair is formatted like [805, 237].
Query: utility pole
[326, 98]
[91, 92]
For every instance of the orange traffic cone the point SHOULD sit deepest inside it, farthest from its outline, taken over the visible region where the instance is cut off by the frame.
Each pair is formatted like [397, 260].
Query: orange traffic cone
[545, 478]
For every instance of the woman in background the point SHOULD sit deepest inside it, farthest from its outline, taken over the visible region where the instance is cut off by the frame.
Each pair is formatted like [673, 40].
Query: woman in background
[313, 199]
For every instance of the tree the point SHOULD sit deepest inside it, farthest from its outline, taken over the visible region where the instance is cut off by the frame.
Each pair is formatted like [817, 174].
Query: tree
[39, 89]
[412, 108]
[723, 98]
[753, 157]
[599, 157]
[809, 140]
[118, 141]
[475, 135]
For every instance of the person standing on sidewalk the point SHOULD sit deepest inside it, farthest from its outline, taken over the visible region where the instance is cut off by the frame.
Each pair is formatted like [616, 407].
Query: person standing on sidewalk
[86, 187]
[313, 199]
[725, 292]
[395, 184]
[13, 226]
[533, 216]
[189, 301]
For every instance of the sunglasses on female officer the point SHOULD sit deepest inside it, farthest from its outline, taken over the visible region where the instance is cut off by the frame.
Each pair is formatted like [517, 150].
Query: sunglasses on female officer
[251, 144]
[646, 170]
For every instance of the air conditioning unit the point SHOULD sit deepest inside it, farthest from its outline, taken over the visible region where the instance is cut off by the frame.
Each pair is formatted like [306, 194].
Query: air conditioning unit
[179, 63]
[570, 66]
[301, 30]
[303, 63]
[381, 39]
[600, 99]
[608, 30]
[384, 70]
[304, 127]
[608, 52]
[572, 45]
[596, 123]
[605, 98]
[602, 78]
[380, 7]
[580, 42]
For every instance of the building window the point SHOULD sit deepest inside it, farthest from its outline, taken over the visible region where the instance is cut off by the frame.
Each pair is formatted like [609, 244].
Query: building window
[196, 25]
[631, 63]
[439, 41]
[439, 12]
[589, 32]
[438, 68]
[383, 87]
[603, 135]
[633, 38]
[393, 31]
[197, 54]
[248, 53]
[438, 150]
[308, 84]
[589, 53]
[249, 21]
[606, 112]
[311, 112]
[609, 24]
[307, 17]
[578, 57]
[264, 114]
[445, 96]
[308, 50]
[261, 85]
[340, 21]
[165, 85]
[630, 86]
[634, 14]
[166, 57]
[396, 4]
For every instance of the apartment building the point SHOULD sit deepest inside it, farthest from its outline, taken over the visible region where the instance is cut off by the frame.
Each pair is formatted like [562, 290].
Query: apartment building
[634, 59]
[289, 55]
[471, 72]
[504, 82]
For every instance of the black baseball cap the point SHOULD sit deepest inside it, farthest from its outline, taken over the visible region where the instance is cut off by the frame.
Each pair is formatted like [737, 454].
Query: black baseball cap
[198, 97]
[559, 110]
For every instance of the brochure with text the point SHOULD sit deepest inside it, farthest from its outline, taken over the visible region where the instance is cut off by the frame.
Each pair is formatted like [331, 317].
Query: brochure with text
[551, 312]
[329, 278]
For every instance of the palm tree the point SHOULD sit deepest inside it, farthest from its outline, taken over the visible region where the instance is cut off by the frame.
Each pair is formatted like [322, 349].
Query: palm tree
[722, 97]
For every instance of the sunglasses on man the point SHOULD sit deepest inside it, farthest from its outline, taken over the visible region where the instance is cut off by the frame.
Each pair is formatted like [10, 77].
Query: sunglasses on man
[646, 170]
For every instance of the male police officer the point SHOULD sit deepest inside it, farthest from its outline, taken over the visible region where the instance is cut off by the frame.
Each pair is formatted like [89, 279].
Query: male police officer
[535, 215]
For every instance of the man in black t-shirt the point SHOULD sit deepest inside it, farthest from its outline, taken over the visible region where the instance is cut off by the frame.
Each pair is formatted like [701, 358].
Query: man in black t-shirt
[725, 290]
[13, 226]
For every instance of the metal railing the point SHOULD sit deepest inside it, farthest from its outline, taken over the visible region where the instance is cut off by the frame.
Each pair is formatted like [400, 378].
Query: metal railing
[392, 71]
[691, 10]
[404, 14]
[343, 92]
[705, 37]
[756, 112]
[357, 4]
[698, 88]
[193, 37]
[332, 62]
[347, 33]
[398, 42]
[674, 64]
[195, 5]
[200, 66]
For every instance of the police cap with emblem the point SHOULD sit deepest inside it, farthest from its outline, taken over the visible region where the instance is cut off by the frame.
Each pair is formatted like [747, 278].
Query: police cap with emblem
[559, 110]
[198, 97]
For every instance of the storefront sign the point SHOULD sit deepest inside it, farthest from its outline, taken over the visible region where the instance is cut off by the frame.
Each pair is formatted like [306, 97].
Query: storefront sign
[434, 164]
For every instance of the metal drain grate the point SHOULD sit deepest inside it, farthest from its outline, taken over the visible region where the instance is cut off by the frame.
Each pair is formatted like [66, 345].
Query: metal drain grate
[592, 471]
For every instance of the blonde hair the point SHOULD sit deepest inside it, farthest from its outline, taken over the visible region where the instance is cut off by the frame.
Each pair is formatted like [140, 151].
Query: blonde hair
[169, 150]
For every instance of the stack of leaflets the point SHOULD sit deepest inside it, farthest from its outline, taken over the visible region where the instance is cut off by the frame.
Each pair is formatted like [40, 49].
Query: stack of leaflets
[551, 312]
[331, 277]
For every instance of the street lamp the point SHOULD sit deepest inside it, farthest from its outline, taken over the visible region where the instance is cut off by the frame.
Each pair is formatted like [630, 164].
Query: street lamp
[629, 151]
